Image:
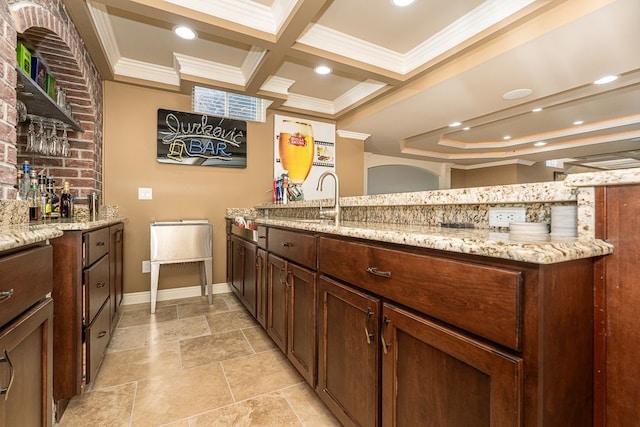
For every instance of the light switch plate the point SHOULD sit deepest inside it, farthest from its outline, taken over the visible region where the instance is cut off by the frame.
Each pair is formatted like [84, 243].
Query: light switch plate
[145, 193]
[501, 217]
[146, 266]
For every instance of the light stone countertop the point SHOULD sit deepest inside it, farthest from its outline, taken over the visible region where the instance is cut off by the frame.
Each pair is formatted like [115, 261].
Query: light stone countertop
[483, 242]
[14, 236]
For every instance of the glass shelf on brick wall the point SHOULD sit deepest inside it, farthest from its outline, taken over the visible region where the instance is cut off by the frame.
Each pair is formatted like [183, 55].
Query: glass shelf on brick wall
[39, 104]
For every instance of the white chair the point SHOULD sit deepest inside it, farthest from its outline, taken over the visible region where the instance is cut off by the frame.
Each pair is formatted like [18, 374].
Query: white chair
[183, 241]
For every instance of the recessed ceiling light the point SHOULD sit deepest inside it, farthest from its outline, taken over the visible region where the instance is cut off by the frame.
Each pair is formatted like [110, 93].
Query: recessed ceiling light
[506, 137]
[466, 128]
[517, 94]
[322, 69]
[454, 124]
[540, 143]
[578, 122]
[402, 3]
[605, 80]
[537, 110]
[185, 32]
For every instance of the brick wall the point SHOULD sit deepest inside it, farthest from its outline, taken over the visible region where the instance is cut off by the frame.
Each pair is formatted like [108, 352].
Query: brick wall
[46, 27]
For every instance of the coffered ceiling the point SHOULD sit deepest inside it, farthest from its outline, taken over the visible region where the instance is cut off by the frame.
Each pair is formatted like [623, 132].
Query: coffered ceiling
[401, 76]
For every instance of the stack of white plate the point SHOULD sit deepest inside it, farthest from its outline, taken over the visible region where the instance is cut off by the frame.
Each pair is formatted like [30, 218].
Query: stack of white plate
[528, 229]
[564, 221]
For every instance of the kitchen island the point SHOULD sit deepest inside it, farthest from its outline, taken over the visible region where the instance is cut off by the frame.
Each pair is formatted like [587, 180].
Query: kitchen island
[395, 320]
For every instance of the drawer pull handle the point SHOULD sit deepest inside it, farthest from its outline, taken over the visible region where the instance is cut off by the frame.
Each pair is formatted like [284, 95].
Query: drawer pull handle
[375, 271]
[368, 334]
[385, 346]
[101, 284]
[287, 244]
[5, 390]
[102, 334]
[5, 295]
[100, 244]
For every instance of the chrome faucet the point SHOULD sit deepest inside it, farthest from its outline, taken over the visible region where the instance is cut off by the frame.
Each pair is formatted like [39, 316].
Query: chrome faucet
[333, 212]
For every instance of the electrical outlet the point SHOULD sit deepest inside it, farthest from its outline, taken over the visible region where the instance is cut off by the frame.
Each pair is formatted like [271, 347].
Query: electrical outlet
[501, 217]
[145, 193]
[146, 266]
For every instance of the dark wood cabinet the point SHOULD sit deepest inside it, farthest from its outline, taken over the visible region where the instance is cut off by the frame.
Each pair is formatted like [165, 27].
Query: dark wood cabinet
[301, 321]
[433, 376]
[261, 287]
[277, 302]
[116, 260]
[26, 332]
[617, 389]
[87, 290]
[349, 353]
[243, 278]
[26, 368]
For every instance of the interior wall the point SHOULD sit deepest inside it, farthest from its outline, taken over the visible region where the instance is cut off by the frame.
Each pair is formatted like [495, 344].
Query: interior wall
[185, 192]
[501, 175]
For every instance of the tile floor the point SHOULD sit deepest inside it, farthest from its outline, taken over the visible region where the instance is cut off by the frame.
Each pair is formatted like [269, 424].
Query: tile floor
[194, 364]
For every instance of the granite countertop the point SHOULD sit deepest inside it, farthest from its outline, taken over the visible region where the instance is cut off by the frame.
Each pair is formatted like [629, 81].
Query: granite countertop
[15, 236]
[483, 242]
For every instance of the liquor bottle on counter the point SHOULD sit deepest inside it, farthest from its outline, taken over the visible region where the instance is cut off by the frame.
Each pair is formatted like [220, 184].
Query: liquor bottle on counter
[66, 206]
[35, 200]
[54, 200]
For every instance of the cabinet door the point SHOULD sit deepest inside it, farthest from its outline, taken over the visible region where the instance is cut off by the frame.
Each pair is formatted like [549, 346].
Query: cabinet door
[277, 301]
[26, 368]
[115, 267]
[348, 353]
[301, 327]
[237, 268]
[433, 376]
[249, 282]
[261, 287]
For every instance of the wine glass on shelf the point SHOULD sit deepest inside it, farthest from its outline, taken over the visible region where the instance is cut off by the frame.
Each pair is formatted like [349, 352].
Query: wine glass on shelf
[41, 138]
[64, 143]
[31, 136]
[54, 146]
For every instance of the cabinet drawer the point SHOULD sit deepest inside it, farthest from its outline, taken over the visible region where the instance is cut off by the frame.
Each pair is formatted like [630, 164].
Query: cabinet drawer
[293, 245]
[25, 278]
[484, 300]
[96, 287]
[98, 335]
[95, 245]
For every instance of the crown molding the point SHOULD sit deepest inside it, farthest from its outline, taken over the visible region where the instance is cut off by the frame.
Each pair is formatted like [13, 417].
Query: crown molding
[248, 13]
[357, 93]
[309, 103]
[145, 71]
[277, 85]
[106, 36]
[494, 164]
[189, 65]
[252, 61]
[329, 40]
[352, 135]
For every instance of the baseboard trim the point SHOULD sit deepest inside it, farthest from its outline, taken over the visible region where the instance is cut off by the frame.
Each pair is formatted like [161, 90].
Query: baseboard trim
[170, 294]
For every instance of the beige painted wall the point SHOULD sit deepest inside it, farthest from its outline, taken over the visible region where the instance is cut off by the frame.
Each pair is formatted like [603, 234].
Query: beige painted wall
[501, 175]
[186, 192]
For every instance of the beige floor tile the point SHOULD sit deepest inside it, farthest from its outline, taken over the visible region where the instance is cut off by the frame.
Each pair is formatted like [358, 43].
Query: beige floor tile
[128, 338]
[213, 348]
[259, 374]
[174, 330]
[132, 365]
[263, 411]
[179, 301]
[308, 406]
[217, 305]
[258, 339]
[232, 301]
[144, 317]
[181, 423]
[170, 398]
[107, 407]
[221, 322]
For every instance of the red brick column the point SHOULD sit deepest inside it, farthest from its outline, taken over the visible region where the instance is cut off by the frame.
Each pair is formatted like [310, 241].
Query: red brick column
[8, 154]
[46, 26]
